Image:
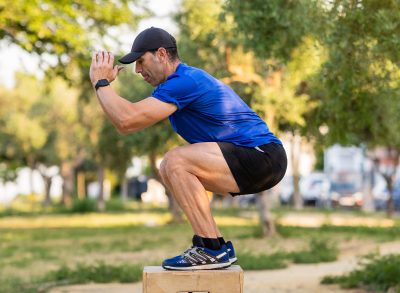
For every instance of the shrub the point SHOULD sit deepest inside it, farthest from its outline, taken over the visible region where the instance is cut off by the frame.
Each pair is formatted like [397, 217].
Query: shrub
[99, 273]
[250, 261]
[320, 251]
[86, 205]
[377, 273]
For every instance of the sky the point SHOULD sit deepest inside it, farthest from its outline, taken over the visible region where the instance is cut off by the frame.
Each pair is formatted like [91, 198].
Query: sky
[13, 59]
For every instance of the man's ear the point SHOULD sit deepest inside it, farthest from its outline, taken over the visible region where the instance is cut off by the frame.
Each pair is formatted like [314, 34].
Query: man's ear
[162, 54]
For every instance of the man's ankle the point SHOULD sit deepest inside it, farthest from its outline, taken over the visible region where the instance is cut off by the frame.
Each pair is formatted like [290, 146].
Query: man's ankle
[210, 243]
[221, 240]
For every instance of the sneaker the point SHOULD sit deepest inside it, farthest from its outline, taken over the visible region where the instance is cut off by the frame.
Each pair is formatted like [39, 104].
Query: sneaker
[199, 258]
[231, 252]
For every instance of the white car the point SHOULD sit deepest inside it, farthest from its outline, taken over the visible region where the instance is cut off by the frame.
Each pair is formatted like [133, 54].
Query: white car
[314, 188]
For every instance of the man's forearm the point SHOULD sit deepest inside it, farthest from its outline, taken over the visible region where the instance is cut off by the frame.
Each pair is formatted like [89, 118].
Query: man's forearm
[116, 108]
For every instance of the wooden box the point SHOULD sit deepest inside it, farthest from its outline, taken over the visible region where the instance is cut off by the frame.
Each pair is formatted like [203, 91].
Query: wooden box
[158, 280]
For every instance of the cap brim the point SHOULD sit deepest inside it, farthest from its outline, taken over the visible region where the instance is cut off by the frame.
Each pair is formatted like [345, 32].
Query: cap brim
[131, 57]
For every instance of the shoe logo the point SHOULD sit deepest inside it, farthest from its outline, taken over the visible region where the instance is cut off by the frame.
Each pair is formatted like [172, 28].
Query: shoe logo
[221, 255]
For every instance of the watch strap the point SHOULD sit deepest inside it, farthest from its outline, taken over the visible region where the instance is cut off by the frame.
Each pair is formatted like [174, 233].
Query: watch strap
[101, 83]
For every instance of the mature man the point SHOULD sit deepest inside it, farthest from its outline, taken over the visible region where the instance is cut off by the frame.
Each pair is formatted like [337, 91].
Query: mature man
[230, 150]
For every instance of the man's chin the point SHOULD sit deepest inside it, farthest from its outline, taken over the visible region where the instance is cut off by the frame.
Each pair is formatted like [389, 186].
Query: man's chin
[153, 84]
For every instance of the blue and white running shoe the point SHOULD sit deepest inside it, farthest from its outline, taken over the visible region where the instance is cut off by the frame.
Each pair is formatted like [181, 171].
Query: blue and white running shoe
[199, 258]
[231, 252]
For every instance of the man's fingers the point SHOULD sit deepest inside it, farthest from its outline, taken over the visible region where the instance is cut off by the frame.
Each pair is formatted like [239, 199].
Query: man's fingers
[111, 58]
[100, 57]
[117, 69]
[94, 58]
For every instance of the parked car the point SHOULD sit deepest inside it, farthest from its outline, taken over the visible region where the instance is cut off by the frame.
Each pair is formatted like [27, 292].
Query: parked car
[345, 194]
[247, 200]
[314, 188]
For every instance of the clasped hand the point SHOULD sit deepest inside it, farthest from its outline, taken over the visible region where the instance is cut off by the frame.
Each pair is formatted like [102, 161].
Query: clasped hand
[102, 67]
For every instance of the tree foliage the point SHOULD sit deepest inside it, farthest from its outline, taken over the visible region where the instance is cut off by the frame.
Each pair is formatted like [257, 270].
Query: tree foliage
[65, 30]
[359, 84]
[273, 29]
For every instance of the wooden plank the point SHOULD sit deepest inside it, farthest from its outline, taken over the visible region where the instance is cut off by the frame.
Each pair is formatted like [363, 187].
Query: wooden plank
[158, 280]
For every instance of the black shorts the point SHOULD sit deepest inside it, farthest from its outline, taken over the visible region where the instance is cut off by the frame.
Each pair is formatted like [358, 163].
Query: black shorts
[255, 170]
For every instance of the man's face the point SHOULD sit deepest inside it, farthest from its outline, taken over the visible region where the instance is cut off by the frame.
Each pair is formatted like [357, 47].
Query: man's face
[151, 67]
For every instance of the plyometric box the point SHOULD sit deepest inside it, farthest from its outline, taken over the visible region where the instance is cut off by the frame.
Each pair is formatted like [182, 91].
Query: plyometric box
[158, 280]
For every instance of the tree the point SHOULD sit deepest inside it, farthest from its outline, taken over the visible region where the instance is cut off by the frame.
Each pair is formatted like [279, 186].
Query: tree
[23, 133]
[358, 86]
[209, 41]
[67, 33]
[273, 29]
[64, 30]
[283, 37]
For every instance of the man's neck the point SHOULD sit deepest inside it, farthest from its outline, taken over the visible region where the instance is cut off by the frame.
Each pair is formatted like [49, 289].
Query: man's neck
[171, 68]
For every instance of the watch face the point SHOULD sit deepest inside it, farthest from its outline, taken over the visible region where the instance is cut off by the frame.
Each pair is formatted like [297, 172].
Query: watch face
[101, 82]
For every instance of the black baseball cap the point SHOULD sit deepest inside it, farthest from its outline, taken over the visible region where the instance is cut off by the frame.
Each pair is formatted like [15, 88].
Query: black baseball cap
[148, 40]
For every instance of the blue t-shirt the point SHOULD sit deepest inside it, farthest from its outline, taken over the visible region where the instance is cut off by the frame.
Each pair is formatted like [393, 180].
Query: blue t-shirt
[210, 111]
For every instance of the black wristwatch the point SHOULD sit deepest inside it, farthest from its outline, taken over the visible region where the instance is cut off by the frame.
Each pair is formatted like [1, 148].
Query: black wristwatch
[100, 83]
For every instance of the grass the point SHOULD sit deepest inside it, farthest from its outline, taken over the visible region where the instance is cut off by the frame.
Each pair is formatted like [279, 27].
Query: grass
[85, 247]
[80, 274]
[376, 273]
[319, 250]
[251, 261]
[377, 233]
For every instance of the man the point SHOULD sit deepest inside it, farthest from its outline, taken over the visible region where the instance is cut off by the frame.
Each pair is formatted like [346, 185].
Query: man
[230, 150]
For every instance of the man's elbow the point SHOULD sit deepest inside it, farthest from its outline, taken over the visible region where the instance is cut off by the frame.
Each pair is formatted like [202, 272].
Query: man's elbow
[122, 131]
[126, 127]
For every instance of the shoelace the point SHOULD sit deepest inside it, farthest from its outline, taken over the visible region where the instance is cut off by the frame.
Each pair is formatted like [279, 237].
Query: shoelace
[187, 250]
[187, 254]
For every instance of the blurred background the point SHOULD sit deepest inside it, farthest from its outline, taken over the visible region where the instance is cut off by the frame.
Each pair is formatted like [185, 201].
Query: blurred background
[323, 74]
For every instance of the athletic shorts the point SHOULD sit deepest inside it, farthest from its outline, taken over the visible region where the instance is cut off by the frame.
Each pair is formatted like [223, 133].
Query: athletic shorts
[255, 169]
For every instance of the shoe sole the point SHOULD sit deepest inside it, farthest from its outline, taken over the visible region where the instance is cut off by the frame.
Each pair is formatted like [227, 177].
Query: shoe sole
[200, 267]
[233, 260]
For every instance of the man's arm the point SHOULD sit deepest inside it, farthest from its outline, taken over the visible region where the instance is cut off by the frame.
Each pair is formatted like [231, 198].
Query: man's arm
[126, 116]
[130, 117]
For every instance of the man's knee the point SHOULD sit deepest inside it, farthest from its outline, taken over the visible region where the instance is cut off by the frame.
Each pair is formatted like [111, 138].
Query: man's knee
[173, 161]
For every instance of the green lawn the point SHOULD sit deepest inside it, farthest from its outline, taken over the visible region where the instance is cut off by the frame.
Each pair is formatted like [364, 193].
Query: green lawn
[41, 250]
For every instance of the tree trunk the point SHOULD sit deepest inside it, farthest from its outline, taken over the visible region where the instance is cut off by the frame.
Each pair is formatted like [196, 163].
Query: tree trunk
[124, 188]
[47, 185]
[390, 203]
[295, 153]
[172, 204]
[48, 180]
[81, 185]
[388, 170]
[368, 183]
[32, 168]
[100, 200]
[67, 174]
[266, 220]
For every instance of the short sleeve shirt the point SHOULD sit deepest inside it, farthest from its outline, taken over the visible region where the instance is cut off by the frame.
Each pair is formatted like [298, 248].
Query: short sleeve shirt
[210, 111]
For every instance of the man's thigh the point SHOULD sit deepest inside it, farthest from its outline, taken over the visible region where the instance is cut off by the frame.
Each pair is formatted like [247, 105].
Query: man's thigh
[206, 161]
